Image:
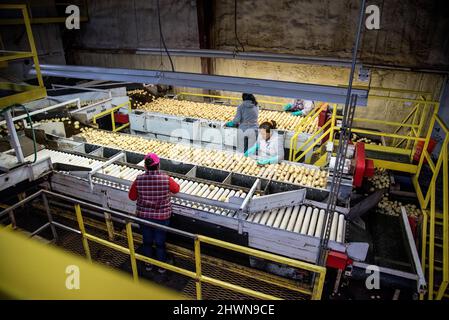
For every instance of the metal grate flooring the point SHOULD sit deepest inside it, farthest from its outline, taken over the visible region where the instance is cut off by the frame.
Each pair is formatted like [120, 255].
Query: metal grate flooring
[223, 270]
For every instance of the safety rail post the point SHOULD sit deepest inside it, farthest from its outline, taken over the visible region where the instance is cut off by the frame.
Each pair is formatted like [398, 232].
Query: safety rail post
[333, 123]
[424, 244]
[132, 253]
[315, 293]
[309, 148]
[318, 286]
[431, 241]
[79, 217]
[197, 250]
[49, 216]
[306, 120]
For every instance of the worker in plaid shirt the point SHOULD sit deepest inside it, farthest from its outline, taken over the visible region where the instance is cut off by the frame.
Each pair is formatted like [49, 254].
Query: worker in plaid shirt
[152, 192]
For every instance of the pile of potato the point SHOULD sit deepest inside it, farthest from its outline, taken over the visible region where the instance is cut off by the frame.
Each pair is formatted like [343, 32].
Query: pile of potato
[223, 113]
[380, 180]
[297, 174]
[139, 97]
[4, 129]
[355, 138]
[393, 208]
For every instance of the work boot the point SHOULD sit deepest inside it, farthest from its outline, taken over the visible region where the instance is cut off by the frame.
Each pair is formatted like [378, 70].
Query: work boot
[148, 267]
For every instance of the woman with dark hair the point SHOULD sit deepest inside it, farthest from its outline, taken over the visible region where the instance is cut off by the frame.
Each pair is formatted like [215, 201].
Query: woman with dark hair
[269, 147]
[246, 119]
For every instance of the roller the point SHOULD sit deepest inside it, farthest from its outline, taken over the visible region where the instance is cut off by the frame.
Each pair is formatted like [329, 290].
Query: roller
[231, 214]
[213, 193]
[218, 194]
[341, 228]
[313, 222]
[294, 215]
[187, 187]
[279, 218]
[191, 187]
[196, 189]
[272, 217]
[183, 184]
[224, 195]
[231, 194]
[250, 217]
[207, 192]
[286, 218]
[265, 217]
[305, 225]
[334, 226]
[320, 223]
[130, 174]
[202, 190]
[258, 217]
[300, 219]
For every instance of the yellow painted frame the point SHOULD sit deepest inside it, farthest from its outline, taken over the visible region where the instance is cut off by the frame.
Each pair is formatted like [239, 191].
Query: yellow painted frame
[315, 291]
[110, 112]
[25, 92]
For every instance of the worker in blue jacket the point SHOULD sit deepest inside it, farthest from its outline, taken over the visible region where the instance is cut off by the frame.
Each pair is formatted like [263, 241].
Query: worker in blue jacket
[246, 119]
[269, 147]
[299, 107]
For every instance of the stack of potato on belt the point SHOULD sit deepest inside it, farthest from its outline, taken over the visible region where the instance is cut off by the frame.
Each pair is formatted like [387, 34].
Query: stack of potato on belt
[223, 113]
[139, 97]
[297, 174]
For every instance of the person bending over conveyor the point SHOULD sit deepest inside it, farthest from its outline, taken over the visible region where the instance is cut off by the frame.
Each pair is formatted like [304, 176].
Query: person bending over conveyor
[152, 191]
[299, 107]
[269, 147]
[246, 119]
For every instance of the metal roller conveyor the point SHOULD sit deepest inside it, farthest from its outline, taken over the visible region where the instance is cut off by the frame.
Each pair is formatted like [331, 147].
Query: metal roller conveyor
[270, 225]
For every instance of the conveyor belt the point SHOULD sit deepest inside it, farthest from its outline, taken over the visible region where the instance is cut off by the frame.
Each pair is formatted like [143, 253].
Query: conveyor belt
[305, 220]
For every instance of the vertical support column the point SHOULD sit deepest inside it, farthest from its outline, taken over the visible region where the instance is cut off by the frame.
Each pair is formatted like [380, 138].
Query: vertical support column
[205, 17]
[444, 283]
[29, 31]
[79, 218]
[132, 253]
[197, 247]
[14, 140]
[431, 240]
[108, 219]
[49, 216]
[318, 286]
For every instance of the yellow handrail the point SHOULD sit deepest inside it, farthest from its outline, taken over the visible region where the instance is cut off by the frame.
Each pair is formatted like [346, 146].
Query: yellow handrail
[307, 120]
[428, 206]
[111, 113]
[311, 138]
[315, 291]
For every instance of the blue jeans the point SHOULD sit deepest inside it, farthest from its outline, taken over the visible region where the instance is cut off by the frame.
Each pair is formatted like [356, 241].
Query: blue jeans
[158, 236]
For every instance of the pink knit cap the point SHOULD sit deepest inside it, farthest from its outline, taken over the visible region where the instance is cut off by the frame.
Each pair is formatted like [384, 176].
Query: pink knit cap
[153, 157]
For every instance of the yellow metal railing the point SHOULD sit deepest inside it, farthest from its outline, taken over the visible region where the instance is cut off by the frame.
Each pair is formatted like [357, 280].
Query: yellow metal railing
[308, 119]
[428, 204]
[23, 93]
[111, 113]
[414, 131]
[314, 292]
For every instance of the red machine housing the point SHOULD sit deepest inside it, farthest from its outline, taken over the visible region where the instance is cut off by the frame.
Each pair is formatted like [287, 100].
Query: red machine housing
[337, 260]
[363, 167]
[121, 118]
